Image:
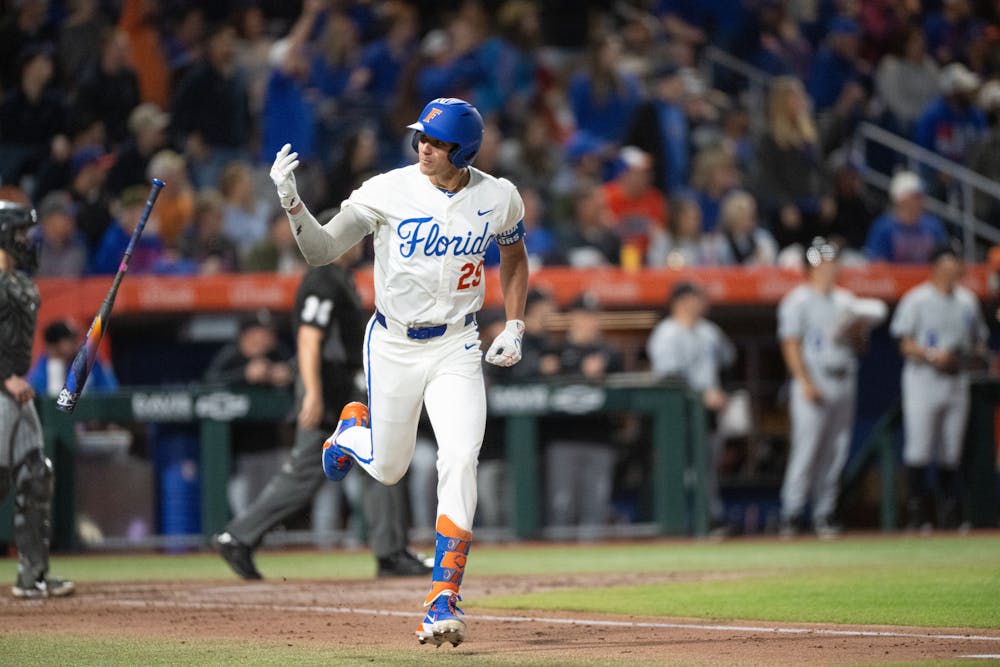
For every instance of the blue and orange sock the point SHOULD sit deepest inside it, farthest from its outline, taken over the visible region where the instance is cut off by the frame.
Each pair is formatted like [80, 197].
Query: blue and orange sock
[450, 554]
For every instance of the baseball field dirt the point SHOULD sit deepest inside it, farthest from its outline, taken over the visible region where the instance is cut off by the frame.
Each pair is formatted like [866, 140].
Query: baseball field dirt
[377, 619]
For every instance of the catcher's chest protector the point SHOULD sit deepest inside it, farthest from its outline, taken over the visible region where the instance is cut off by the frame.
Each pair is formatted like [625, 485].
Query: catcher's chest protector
[19, 302]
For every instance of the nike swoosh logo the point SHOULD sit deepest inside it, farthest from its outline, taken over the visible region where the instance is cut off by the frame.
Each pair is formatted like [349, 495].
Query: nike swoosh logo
[469, 346]
[484, 212]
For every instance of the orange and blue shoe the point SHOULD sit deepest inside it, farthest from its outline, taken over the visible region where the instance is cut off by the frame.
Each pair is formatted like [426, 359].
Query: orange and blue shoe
[442, 623]
[336, 462]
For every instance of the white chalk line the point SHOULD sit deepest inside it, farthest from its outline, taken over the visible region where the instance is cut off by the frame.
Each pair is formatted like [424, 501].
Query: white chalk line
[561, 621]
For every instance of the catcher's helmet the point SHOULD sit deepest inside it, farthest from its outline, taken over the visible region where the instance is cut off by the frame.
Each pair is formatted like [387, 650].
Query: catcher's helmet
[15, 221]
[455, 121]
[821, 250]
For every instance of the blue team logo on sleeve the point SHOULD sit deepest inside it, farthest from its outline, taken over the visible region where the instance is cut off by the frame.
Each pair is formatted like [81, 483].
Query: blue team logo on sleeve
[423, 234]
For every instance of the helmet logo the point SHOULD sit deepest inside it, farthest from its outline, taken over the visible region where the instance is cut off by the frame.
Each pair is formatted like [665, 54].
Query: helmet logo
[433, 113]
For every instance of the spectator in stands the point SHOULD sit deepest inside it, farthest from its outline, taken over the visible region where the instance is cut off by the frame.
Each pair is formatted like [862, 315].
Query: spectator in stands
[600, 96]
[742, 241]
[906, 81]
[950, 30]
[89, 167]
[139, 21]
[32, 115]
[184, 39]
[383, 60]
[175, 205]
[589, 236]
[289, 113]
[580, 459]
[253, 47]
[582, 165]
[951, 126]
[452, 68]
[61, 250]
[24, 27]
[529, 157]
[257, 359]
[837, 63]
[509, 61]
[639, 207]
[148, 250]
[905, 234]
[856, 208]
[79, 43]
[147, 126]
[213, 140]
[358, 161]
[204, 241]
[689, 347]
[783, 50]
[277, 252]
[659, 126]
[715, 175]
[789, 178]
[685, 244]
[109, 88]
[245, 213]
[48, 374]
[986, 155]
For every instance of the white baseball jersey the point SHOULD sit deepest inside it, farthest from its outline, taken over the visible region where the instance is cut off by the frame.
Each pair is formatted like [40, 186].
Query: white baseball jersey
[696, 354]
[935, 403]
[429, 246]
[813, 318]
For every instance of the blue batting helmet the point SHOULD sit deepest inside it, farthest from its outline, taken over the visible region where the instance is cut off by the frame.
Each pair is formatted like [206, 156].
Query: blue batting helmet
[455, 121]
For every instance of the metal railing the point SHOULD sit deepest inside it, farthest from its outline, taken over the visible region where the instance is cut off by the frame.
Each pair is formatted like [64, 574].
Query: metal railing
[960, 210]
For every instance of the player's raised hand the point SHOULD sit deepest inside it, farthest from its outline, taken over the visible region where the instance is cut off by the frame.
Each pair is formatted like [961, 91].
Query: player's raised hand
[283, 175]
[506, 348]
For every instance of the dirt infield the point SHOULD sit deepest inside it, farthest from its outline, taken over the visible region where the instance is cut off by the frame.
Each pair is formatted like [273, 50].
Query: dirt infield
[385, 613]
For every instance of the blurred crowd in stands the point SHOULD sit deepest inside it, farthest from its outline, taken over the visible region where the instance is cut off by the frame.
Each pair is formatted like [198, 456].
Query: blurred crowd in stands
[627, 147]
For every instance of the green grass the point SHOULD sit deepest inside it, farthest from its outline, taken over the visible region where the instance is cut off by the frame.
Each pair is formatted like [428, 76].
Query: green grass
[922, 596]
[744, 556]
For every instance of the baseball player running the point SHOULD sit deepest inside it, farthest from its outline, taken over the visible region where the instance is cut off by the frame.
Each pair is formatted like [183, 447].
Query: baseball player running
[22, 457]
[941, 329]
[822, 329]
[431, 223]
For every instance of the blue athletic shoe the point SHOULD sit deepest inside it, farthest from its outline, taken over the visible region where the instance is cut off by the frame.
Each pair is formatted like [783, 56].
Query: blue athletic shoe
[442, 622]
[336, 462]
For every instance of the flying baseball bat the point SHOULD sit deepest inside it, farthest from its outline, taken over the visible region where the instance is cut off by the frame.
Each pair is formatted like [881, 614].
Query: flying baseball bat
[84, 361]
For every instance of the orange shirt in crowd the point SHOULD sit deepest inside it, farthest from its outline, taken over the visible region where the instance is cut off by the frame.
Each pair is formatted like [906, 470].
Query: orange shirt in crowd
[145, 52]
[635, 215]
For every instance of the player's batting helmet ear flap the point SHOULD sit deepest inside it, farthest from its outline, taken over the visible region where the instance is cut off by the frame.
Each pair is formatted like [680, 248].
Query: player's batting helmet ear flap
[455, 121]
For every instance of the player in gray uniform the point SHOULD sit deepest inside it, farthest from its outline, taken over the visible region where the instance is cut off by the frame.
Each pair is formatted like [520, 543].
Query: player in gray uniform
[687, 346]
[822, 359]
[941, 329]
[22, 459]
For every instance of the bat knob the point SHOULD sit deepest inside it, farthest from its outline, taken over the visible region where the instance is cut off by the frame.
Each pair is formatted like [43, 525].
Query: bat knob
[158, 183]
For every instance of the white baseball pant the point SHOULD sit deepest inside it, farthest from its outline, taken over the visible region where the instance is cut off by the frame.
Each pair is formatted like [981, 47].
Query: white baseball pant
[445, 374]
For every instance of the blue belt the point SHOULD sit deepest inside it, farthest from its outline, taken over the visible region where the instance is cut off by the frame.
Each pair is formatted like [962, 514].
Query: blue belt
[423, 333]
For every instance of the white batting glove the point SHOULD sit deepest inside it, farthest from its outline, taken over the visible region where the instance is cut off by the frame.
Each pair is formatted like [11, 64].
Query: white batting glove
[506, 348]
[283, 175]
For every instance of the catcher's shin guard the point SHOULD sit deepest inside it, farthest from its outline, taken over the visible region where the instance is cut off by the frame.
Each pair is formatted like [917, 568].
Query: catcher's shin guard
[442, 622]
[33, 490]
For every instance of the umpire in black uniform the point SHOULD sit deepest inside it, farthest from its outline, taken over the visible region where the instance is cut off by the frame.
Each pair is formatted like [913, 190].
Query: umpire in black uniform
[329, 328]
